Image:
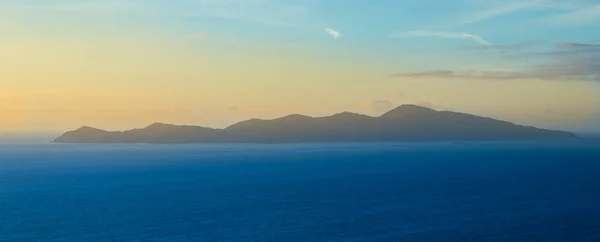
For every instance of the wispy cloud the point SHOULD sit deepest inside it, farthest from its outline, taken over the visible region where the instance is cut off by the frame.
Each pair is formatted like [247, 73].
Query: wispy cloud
[503, 9]
[496, 8]
[583, 15]
[334, 33]
[444, 35]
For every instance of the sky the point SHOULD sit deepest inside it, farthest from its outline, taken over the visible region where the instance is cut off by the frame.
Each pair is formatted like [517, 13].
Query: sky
[122, 64]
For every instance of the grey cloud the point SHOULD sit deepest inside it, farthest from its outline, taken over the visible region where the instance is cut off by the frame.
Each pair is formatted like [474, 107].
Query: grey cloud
[581, 69]
[564, 50]
[495, 75]
[572, 45]
[565, 61]
[571, 53]
[574, 69]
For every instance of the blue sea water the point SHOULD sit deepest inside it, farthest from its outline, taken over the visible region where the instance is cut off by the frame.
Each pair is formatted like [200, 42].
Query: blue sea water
[494, 191]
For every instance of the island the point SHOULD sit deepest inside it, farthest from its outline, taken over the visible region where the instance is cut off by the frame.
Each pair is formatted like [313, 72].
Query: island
[406, 123]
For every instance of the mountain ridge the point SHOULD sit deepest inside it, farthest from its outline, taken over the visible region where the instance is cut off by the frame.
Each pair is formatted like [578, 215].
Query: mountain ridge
[404, 123]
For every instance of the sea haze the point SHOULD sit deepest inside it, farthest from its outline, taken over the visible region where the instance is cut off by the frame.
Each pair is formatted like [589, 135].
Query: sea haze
[489, 191]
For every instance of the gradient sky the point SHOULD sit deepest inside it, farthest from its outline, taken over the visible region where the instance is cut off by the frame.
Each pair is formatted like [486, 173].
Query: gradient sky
[120, 64]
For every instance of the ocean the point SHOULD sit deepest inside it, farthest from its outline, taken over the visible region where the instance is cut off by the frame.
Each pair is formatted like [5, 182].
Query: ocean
[489, 191]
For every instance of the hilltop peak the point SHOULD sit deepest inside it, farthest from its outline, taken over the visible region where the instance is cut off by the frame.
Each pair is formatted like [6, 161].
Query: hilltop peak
[88, 129]
[159, 125]
[347, 114]
[294, 117]
[408, 109]
[414, 107]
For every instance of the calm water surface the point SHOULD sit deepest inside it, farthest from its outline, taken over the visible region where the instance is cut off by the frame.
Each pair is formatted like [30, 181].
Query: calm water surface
[522, 191]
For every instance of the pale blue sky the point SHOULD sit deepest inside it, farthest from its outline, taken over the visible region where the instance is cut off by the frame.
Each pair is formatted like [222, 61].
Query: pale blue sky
[426, 26]
[430, 51]
[498, 22]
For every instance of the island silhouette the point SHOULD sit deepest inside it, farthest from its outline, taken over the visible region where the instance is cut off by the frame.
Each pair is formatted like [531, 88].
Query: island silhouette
[408, 123]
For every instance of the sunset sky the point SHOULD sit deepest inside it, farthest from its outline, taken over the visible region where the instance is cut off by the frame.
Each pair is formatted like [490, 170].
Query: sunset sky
[121, 64]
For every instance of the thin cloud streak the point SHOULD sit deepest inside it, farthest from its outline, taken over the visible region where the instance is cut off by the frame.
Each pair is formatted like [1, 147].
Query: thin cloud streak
[504, 9]
[443, 35]
[583, 15]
